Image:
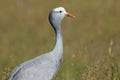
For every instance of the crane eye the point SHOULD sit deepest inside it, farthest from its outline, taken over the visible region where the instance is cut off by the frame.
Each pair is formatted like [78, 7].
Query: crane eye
[60, 11]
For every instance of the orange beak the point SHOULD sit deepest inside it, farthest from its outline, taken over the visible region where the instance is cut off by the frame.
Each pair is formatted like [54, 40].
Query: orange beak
[69, 15]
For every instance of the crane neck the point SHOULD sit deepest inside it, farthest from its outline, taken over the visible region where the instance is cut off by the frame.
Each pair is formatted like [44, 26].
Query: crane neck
[58, 48]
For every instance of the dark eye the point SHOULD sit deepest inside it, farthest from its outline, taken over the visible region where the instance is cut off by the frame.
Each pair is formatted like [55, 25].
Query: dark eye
[60, 11]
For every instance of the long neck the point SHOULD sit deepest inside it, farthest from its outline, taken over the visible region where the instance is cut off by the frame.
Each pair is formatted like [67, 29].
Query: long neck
[58, 48]
[59, 43]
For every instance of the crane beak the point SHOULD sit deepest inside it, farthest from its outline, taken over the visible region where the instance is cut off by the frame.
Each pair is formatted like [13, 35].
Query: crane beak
[69, 15]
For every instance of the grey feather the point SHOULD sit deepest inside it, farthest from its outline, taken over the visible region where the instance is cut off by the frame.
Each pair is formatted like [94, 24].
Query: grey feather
[44, 67]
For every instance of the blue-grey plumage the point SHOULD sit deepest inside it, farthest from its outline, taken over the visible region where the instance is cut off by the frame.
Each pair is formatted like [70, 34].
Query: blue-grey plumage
[44, 67]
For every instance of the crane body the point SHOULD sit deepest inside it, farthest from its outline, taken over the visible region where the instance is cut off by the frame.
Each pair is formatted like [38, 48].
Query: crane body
[45, 66]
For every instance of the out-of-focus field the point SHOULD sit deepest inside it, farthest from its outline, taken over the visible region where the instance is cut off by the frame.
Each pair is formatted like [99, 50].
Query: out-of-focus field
[91, 39]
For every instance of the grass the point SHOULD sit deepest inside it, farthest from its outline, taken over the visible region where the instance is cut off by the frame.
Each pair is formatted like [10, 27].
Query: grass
[91, 40]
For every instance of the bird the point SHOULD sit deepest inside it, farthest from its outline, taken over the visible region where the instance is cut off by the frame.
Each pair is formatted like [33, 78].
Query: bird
[45, 66]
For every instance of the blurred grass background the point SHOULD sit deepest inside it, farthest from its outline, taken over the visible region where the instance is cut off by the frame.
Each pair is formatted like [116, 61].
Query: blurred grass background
[91, 39]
